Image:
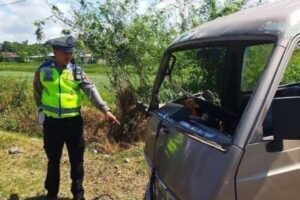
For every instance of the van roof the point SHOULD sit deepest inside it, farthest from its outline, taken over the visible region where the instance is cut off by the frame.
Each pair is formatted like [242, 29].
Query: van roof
[281, 19]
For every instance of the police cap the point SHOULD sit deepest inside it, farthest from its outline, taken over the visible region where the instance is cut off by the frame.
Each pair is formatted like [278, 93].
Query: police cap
[65, 43]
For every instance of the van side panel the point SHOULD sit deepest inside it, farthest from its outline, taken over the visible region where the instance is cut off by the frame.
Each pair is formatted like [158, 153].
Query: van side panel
[152, 125]
[269, 175]
[193, 170]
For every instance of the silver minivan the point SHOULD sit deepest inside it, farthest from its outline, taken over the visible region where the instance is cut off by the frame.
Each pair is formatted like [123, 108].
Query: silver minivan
[224, 117]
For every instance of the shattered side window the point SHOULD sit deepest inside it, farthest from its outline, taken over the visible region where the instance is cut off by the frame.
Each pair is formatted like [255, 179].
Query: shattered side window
[255, 60]
[292, 72]
[195, 71]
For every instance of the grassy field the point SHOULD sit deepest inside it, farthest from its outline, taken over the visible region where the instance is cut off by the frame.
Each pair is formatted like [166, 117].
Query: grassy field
[31, 67]
[97, 74]
[106, 176]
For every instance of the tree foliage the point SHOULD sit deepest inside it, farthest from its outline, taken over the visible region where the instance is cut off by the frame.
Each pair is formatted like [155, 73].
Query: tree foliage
[187, 14]
[39, 30]
[24, 50]
[131, 44]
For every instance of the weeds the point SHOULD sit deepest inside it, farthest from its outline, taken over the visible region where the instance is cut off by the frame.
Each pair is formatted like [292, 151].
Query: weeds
[18, 112]
[132, 122]
[17, 109]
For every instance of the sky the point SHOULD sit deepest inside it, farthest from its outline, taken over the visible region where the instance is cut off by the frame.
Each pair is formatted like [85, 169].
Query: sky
[16, 20]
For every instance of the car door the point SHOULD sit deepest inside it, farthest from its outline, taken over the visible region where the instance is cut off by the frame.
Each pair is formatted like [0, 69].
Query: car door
[269, 175]
[189, 165]
[265, 174]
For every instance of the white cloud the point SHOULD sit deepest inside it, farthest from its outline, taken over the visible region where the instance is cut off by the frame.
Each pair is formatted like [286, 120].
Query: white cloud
[143, 5]
[16, 22]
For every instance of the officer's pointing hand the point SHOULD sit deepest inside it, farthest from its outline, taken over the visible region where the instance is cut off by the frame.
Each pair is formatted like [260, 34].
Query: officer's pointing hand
[111, 118]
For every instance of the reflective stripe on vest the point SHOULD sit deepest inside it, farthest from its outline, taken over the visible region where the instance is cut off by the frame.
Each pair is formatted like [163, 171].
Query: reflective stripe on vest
[62, 110]
[61, 95]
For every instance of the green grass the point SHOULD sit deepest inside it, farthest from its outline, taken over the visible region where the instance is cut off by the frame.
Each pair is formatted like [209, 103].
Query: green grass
[31, 67]
[16, 74]
[106, 177]
[96, 69]
[96, 73]
[23, 67]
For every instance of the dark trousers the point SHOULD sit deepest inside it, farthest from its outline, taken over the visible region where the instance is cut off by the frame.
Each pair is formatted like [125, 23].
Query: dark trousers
[56, 133]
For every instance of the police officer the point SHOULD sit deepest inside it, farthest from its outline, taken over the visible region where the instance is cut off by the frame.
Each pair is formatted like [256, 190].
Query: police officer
[57, 87]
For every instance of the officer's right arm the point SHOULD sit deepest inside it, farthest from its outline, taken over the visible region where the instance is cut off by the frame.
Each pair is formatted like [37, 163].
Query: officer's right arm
[37, 88]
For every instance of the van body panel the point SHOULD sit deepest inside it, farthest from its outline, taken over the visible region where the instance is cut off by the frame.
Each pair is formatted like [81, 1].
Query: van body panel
[269, 175]
[152, 124]
[177, 163]
[188, 179]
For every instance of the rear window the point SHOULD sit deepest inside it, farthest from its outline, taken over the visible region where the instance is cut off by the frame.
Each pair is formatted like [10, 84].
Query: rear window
[255, 60]
[292, 72]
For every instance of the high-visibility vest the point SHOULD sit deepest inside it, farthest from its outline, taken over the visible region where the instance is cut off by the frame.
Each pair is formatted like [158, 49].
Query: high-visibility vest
[61, 95]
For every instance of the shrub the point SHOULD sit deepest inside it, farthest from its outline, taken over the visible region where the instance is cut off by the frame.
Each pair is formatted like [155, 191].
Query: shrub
[17, 108]
[18, 112]
[132, 122]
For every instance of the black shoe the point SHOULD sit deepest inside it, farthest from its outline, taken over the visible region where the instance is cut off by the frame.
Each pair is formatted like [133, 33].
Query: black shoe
[49, 197]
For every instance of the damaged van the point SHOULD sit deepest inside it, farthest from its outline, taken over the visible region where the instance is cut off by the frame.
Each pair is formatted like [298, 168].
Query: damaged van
[224, 117]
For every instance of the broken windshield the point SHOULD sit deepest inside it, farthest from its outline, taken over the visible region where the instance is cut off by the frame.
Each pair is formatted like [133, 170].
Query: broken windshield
[195, 72]
[194, 80]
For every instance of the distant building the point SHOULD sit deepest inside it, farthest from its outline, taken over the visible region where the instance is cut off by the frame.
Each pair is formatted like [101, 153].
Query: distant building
[51, 54]
[10, 56]
[86, 58]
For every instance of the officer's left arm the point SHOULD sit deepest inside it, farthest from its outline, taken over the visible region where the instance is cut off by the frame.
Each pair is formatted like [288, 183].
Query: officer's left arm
[93, 95]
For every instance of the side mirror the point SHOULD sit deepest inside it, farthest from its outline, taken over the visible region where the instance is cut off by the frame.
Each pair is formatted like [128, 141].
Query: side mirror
[143, 108]
[285, 121]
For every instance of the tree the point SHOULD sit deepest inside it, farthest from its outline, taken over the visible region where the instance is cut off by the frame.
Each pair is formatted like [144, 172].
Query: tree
[7, 46]
[183, 14]
[188, 14]
[66, 32]
[210, 7]
[39, 30]
[129, 43]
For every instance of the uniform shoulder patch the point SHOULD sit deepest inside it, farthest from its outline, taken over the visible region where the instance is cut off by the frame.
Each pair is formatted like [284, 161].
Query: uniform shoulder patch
[46, 64]
[48, 73]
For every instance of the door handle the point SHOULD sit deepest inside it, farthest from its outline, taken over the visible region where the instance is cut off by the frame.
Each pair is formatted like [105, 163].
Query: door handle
[165, 129]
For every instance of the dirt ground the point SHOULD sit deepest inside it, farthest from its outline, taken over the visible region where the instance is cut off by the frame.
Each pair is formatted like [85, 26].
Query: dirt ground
[121, 175]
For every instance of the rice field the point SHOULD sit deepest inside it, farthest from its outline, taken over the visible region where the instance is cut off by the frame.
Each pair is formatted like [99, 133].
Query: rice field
[96, 73]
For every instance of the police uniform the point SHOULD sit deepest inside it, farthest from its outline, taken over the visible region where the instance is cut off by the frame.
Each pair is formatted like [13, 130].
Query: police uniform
[57, 95]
